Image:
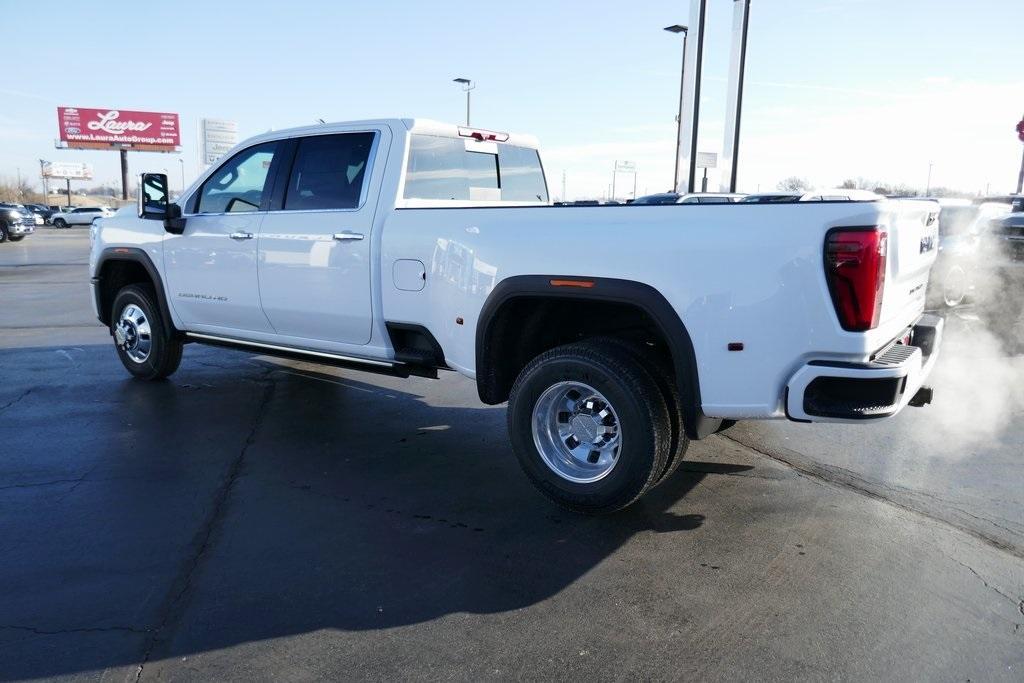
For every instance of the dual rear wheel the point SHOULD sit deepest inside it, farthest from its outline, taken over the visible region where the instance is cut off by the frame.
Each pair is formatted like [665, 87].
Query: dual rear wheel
[596, 424]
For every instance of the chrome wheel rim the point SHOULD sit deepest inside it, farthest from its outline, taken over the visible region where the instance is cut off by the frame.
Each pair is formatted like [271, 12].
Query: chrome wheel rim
[576, 431]
[132, 333]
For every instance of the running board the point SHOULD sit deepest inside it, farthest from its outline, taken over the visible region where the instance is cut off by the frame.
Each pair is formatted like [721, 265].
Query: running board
[308, 355]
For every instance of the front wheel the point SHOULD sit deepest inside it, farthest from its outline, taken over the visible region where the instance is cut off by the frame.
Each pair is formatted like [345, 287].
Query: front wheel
[60, 223]
[142, 337]
[589, 427]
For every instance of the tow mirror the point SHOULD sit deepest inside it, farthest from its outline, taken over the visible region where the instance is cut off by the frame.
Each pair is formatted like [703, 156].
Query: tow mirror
[155, 202]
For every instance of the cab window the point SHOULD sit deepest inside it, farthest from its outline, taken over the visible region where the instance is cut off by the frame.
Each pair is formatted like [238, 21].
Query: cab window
[457, 169]
[328, 172]
[240, 184]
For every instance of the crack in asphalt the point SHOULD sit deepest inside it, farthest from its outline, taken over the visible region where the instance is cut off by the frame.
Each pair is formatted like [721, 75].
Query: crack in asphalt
[837, 476]
[175, 605]
[62, 631]
[11, 403]
[1016, 601]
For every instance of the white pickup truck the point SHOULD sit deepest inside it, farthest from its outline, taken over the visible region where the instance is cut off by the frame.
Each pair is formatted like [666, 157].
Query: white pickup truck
[615, 333]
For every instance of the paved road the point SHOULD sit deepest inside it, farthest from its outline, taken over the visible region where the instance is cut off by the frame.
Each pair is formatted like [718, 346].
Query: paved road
[258, 518]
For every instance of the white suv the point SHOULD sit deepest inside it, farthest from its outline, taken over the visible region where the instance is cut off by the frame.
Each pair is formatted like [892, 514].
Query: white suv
[81, 216]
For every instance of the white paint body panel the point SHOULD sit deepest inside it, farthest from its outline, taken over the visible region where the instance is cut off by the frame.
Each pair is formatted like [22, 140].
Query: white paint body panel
[750, 273]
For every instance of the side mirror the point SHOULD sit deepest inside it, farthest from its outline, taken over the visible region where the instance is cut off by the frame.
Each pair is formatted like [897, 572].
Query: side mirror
[155, 202]
[154, 197]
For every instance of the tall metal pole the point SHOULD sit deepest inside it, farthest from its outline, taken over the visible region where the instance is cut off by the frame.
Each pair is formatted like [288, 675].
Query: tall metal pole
[693, 65]
[679, 115]
[734, 96]
[928, 186]
[613, 183]
[467, 85]
[46, 187]
[182, 162]
[124, 174]
[634, 185]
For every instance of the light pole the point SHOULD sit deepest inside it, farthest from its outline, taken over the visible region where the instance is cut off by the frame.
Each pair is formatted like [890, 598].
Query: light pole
[467, 85]
[182, 162]
[677, 28]
[928, 186]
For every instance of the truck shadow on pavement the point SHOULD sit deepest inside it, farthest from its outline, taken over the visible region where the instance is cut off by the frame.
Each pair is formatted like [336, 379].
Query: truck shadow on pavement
[246, 500]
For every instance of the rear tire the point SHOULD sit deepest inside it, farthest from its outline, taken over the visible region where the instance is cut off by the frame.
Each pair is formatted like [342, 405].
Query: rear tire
[143, 339]
[664, 376]
[578, 400]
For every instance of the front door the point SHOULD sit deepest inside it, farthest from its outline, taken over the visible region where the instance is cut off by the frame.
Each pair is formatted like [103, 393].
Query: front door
[314, 253]
[211, 266]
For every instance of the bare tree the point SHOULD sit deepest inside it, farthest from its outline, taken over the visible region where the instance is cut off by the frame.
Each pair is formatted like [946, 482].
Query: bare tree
[794, 184]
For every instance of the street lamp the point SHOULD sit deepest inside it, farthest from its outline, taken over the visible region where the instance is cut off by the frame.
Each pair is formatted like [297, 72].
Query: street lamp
[467, 85]
[182, 162]
[677, 28]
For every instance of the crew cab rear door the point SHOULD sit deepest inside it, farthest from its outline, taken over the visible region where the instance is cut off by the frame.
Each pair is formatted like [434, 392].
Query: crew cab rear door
[314, 245]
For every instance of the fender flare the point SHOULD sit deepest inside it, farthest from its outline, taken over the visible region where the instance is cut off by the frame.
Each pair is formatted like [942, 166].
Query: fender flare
[134, 255]
[629, 292]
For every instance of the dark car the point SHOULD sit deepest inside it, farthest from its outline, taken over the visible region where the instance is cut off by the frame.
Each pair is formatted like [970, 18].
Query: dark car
[771, 198]
[15, 222]
[43, 212]
[660, 198]
[1015, 201]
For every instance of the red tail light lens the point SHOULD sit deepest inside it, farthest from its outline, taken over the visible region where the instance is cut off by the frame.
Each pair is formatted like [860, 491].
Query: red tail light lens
[855, 270]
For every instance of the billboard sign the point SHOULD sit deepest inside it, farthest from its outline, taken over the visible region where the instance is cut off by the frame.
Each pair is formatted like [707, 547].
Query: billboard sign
[216, 137]
[145, 131]
[70, 171]
[625, 167]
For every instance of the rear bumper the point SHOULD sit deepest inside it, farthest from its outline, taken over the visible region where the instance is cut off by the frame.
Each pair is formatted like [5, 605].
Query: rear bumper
[831, 391]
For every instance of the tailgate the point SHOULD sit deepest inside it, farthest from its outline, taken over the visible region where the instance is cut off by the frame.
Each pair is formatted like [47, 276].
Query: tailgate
[913, 245]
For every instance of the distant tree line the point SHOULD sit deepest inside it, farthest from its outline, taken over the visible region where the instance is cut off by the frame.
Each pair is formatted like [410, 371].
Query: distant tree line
[798, 184]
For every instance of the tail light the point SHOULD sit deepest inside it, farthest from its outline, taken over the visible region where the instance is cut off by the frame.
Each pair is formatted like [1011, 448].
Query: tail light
[855, 270]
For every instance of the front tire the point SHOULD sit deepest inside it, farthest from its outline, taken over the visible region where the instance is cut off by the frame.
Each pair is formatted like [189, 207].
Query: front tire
[143, 339]
[60, 223]
[589, 426]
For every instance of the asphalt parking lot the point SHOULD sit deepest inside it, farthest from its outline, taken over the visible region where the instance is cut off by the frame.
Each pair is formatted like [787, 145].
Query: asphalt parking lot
[258, 518]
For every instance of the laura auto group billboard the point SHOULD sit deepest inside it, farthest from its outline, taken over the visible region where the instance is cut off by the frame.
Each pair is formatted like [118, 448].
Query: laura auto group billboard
[147, 131]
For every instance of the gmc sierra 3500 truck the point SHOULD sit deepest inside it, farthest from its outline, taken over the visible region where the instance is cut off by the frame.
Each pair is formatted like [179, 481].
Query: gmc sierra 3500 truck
[615, 333]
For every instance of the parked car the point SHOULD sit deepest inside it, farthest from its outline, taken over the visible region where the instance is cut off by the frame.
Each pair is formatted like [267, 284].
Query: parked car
[81, 216]
[16, 222]
[709, 198]
[771, 197]
[659, 198]
[391, 246]
[41, 213]
[1015, 202]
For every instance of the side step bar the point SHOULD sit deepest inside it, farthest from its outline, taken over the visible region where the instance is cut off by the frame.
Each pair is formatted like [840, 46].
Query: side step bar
[309, 355]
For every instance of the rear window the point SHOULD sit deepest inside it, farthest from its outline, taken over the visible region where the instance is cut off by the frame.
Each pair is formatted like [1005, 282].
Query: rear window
[466, 170]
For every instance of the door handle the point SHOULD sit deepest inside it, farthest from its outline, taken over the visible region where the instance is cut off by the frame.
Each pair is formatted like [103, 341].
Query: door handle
[241, 235]
[347, 235]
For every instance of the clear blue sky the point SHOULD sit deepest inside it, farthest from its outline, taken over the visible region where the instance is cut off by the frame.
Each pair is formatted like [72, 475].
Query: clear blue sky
[837, 88]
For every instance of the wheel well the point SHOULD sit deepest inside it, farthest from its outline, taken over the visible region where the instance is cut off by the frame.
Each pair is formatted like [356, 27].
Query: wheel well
[115, 275]
[523, 327]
